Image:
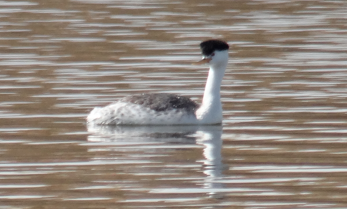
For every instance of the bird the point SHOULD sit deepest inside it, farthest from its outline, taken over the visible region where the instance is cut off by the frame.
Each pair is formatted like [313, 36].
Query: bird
[172, 109]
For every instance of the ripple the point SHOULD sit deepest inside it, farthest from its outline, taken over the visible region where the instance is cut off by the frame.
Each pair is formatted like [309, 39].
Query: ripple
[284, 96]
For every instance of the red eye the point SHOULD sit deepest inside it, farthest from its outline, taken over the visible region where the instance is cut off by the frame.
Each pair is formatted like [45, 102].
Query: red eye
[212, 54]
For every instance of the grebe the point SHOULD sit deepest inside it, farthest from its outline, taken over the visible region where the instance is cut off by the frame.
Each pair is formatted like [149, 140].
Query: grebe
[171, 109]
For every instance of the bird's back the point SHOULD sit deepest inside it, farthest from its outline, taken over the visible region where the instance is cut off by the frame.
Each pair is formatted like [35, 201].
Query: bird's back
[162, 102]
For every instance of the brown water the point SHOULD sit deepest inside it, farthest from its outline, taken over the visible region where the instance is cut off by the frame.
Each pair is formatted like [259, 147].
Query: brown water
[283, 143]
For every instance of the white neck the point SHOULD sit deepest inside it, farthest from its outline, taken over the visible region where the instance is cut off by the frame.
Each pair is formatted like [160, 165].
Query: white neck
[210, 111]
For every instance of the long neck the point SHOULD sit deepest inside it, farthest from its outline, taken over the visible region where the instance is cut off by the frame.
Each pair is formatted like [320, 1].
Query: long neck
[212, 88]
[210, 110]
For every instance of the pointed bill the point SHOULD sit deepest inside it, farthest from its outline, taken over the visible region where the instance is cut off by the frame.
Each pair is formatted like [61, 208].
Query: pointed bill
[203, 61]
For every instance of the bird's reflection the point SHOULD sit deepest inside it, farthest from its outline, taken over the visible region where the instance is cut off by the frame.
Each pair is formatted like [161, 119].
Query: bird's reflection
[207, 136]
[213, 166]
[177, 134]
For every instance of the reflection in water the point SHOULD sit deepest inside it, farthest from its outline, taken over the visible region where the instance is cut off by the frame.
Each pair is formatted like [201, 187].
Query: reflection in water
[208, 136]
[134, 133]
[213, 166]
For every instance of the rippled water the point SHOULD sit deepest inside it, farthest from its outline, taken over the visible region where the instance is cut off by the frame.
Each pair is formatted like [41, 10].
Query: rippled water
[283, 143]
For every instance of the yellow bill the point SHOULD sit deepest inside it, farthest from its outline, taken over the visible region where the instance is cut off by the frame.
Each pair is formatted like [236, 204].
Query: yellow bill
[203, 61]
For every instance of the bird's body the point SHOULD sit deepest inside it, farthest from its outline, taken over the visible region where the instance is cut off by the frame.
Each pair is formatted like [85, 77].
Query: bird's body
[146, 109]
[171, 109]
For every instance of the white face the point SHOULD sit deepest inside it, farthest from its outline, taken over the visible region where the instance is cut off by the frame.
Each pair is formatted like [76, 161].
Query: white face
[215, 59]
[218, 58]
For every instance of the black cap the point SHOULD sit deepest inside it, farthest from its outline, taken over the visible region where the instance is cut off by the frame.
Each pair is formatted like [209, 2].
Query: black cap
[209, 46]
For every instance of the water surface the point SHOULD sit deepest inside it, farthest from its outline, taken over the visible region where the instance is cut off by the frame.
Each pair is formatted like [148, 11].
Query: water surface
[283, 139]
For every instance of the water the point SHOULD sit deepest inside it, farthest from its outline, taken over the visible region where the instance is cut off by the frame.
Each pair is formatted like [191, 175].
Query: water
[283, 139]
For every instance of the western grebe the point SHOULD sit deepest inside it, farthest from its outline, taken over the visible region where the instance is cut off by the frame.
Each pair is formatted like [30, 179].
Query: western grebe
[171, 109]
